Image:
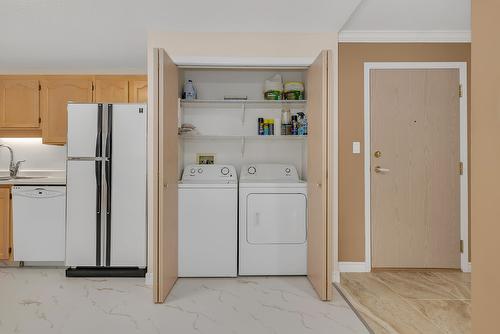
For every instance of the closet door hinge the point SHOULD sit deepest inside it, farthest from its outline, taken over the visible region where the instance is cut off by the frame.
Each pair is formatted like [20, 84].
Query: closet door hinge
[461, 168]
[461, 246]
[460, 92]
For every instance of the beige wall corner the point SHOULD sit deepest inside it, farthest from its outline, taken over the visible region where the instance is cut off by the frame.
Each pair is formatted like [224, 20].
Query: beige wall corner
[485, 204]
[352, 56]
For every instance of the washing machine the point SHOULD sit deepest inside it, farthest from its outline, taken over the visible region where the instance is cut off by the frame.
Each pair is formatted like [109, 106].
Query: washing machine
[208, 221]
[272, 221]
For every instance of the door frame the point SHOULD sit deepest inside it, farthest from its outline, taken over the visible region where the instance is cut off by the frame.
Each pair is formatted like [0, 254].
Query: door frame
[464, 185]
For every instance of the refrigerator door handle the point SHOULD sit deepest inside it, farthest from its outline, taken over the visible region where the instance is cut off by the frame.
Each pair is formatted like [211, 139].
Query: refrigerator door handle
[98, 144]
[98, 177]
[107, 174]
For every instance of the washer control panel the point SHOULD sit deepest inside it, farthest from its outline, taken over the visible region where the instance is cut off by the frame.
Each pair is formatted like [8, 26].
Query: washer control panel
[269, 172]
[209, 173]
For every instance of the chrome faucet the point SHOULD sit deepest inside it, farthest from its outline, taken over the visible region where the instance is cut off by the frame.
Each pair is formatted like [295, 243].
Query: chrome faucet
[13, 166]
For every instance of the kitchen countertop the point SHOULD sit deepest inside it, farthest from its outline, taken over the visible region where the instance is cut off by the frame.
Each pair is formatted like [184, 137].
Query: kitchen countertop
[40, 177]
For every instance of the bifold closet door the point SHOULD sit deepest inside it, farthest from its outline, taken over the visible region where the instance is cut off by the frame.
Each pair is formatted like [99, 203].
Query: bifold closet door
[319, 248]
[165, 233]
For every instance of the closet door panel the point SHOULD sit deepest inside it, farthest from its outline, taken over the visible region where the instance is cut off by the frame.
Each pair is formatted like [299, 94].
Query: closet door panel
[319, 226]
[166, 227]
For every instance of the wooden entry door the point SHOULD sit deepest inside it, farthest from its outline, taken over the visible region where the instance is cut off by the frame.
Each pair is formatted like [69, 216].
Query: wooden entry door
[415, 178]
[165, 267]
[319, 248]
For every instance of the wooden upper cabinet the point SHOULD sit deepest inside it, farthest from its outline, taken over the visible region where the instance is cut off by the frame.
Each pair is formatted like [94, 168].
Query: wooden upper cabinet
[19, 103]
[4, 223]
[138, 89]
[111, 89]
[54, 97]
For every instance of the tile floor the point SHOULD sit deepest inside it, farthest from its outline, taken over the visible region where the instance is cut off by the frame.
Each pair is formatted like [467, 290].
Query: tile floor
[45, 301]
[411, 302]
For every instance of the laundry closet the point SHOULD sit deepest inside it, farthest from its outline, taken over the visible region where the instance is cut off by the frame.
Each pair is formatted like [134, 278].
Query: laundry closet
[223, 128]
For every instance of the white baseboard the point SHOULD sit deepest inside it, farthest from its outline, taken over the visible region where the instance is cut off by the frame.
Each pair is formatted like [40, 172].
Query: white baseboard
[469, 268]
[336, 277]
[149, 279]
[353, 267]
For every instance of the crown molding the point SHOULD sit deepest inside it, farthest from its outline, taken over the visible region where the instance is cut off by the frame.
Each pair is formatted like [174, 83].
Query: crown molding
[395, 36]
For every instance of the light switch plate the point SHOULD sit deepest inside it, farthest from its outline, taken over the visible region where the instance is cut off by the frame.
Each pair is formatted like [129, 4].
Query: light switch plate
[356, 147]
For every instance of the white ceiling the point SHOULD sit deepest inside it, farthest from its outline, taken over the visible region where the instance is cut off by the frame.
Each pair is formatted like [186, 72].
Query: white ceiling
[110, 36]
[411, 15]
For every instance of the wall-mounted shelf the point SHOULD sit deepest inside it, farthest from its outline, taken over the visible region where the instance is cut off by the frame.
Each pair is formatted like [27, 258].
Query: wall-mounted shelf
[238, 137]
[243, 139]
[255, 103]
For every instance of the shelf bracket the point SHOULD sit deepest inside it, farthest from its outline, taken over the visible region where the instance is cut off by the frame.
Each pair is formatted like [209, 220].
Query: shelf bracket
[243, 109]
[243, 143]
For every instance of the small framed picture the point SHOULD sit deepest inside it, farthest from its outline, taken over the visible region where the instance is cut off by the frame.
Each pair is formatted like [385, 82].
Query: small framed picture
[205, 158]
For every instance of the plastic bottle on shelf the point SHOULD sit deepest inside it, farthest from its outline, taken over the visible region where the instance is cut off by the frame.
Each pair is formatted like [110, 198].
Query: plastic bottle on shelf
[295, 125]
[286, 119]
[266, 128]
[302, 124]
[271, 127]
[189, 92]
[260, 128]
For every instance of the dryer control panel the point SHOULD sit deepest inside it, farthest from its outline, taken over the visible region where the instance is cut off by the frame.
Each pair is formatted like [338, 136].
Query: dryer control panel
[269, 172]
[224, 173]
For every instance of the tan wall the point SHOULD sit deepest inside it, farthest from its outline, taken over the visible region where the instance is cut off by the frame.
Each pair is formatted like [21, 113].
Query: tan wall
[351, 90]
[486, 159]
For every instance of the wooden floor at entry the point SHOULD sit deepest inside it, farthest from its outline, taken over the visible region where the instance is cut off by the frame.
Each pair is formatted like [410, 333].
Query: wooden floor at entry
[411, 302]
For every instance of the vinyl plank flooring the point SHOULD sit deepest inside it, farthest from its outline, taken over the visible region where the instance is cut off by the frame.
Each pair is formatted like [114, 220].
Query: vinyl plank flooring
[452, 316]
[407, 302]
[384, 307]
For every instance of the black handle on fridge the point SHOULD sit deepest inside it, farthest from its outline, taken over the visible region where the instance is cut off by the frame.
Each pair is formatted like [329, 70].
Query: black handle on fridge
[107, 173]
[98, 177]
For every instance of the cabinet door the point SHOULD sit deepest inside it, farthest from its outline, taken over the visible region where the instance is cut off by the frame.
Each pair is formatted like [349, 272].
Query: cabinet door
[138, 91]
[4, 223]
[165, 265]
[113, 90]
[55, 95]
[319, 248]
[19, 103]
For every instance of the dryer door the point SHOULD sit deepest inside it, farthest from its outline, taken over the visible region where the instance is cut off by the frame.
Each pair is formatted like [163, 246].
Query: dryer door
[276, 218]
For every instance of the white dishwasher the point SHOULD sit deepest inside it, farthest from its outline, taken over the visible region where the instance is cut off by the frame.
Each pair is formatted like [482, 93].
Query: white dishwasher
[38, 219]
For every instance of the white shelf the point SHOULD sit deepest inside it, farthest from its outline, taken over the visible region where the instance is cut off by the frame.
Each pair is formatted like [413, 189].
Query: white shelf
[238, 137]
[260, 103]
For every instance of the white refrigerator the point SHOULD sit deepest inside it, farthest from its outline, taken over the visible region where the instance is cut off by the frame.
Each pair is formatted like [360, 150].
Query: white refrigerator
[106, 190]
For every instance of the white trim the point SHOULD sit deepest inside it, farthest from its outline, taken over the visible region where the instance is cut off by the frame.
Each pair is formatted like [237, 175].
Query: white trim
[354, 267]
[386, 36]
[336, 277]
[186, 61]
[148, 279]
[464, 191]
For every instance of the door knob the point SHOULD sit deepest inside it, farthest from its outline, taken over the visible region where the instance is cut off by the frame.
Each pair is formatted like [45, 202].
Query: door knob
[377, 154]
[379, 169]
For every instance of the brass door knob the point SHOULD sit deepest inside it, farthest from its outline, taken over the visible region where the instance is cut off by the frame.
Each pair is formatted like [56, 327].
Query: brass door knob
[377, 154]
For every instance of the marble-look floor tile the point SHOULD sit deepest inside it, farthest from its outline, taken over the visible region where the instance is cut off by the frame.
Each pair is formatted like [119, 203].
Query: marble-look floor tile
[452, 316]
[377, 302]
[45, 301]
